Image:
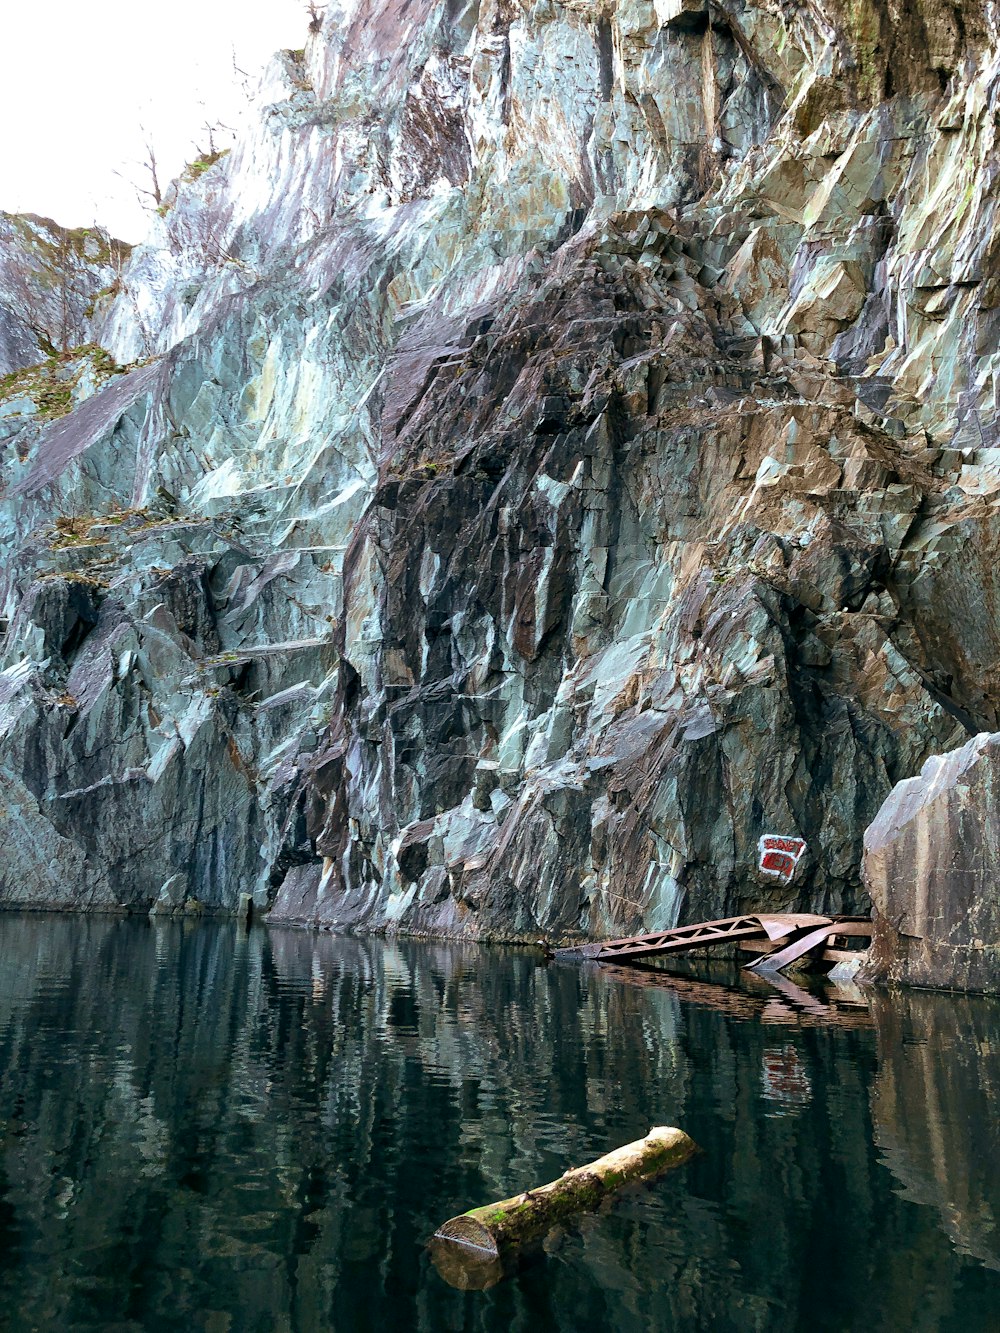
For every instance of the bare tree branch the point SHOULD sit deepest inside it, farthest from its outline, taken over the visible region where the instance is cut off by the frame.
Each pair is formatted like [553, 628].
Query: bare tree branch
[147, 187]
[315, 13]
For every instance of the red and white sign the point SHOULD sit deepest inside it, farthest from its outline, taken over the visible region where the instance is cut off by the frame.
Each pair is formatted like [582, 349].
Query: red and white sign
[779, 856]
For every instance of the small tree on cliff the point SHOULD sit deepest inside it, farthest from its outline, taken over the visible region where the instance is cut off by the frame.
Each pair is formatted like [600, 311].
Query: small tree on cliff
[147, 186]
[315, 13]
[152, 189]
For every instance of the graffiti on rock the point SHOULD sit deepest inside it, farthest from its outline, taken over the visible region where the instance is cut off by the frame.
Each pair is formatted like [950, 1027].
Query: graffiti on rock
[779, 856]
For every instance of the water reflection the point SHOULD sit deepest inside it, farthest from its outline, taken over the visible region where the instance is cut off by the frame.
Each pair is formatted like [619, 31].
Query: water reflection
[772, 998]
[936, 1108]
[213, 1129]
[784, 1078]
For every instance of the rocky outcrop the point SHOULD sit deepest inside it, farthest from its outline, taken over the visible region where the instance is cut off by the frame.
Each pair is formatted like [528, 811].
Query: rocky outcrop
[562, 453]
[932, 867]
[53, 282]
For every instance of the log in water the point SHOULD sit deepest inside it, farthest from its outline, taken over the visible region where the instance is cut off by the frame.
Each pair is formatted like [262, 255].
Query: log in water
[480, 1241]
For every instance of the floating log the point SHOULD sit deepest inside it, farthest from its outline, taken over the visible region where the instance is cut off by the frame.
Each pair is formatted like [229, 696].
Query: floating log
[471, 1250]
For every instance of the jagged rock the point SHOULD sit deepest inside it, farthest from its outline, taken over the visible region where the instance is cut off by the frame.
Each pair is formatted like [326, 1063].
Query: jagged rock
[562, 452]
[53, 281]
[932, 867]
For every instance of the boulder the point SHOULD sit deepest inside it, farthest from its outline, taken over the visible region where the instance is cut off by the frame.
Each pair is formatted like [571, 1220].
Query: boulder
[932, 867]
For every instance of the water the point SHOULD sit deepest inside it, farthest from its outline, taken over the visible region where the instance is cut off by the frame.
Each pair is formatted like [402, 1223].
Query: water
[204, 1128]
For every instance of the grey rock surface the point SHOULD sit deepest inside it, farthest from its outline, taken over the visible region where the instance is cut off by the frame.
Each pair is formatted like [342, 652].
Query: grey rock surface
[932, 867]
[554, 448]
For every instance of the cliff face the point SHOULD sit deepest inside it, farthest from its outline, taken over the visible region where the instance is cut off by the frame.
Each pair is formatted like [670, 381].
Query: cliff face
[53, 281]
[554, 448]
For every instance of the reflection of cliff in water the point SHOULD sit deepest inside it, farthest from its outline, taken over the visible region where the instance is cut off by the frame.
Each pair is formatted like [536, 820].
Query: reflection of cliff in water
[936, 1110]
[198, 1121]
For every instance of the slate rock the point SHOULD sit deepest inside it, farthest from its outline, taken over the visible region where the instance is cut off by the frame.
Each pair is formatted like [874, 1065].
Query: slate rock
[932, 867]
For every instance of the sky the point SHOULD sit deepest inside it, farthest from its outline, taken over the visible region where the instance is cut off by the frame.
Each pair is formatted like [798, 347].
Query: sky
[79, 83]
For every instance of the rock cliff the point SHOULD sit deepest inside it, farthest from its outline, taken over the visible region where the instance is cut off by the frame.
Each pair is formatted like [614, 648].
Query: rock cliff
[555, 447]
[53, 283]
[931, 865]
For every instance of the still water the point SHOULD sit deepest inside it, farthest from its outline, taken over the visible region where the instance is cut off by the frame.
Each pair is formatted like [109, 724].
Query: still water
[204, 1128]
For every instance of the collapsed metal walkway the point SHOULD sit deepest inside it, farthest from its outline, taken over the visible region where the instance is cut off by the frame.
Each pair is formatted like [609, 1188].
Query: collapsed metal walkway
[777, 940]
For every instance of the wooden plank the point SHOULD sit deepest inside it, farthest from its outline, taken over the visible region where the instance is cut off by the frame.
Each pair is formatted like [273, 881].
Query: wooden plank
[792, 951]
[831, 954]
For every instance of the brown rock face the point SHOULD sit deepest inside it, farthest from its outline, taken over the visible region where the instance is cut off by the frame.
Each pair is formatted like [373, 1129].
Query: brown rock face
[932, 867]
[647, 614]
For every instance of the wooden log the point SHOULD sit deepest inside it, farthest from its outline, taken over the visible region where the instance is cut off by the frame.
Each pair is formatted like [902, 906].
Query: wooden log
[493, 1233]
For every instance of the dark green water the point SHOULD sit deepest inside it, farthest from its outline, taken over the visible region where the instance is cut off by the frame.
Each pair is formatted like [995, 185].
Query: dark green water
[208, 1129]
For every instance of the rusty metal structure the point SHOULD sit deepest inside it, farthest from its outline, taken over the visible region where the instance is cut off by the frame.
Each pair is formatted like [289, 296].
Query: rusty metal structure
[777, 940]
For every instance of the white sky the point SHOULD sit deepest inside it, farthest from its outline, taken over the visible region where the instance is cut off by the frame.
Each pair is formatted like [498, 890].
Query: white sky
[78, 80]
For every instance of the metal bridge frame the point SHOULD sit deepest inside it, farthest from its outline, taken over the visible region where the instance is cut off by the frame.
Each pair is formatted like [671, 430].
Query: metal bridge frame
[778, 939]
